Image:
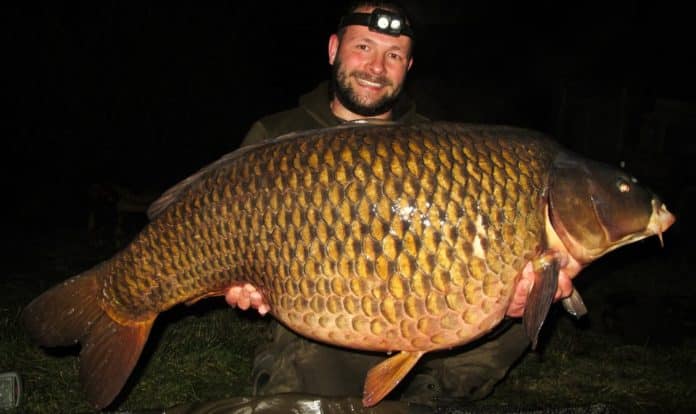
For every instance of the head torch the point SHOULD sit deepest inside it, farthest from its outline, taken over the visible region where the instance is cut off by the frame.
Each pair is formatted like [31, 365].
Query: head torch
[380, 20]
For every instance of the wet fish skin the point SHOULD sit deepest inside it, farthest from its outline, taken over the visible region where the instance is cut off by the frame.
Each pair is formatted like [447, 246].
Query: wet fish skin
[309, 243]
[387, 238]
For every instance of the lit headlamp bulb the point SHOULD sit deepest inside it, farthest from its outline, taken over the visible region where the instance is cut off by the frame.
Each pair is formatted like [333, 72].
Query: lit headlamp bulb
[383, 22]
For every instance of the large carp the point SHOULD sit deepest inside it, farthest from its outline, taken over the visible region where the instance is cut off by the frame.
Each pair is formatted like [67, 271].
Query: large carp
[384, 238]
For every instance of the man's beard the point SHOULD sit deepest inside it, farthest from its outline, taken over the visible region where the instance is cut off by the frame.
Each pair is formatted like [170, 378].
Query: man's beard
[349, 99]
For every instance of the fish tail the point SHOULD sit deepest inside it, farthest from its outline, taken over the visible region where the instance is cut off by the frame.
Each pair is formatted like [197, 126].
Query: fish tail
[71, 313]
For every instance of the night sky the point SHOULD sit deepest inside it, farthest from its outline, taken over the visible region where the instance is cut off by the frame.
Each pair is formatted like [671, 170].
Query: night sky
[143, 94]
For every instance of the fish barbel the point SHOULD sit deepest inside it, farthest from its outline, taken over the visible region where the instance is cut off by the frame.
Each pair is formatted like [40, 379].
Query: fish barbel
[384, 238]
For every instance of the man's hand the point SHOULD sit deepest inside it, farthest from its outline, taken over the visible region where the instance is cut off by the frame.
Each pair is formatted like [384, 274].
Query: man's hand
[525, 284]
[245, 297]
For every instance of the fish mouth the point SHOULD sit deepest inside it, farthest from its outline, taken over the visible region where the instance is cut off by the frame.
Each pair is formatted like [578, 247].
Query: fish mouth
[660, 220]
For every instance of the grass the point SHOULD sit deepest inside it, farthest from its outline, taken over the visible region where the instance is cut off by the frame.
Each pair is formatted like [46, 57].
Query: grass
[579, 368]
[635, 355]
[193, 354]
[198, 358]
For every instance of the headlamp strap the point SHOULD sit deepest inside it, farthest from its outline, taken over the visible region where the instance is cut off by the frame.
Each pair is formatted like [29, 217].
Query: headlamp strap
[380, 20]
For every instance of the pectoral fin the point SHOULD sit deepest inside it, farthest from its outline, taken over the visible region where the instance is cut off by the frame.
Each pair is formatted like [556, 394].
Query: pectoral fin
[574, 305]
[382, 378]
[540, 298]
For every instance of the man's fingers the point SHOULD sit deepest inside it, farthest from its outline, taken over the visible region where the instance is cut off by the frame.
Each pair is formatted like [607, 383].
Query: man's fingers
[238, 296]
[245, 297]
[256, 299]
[264, 309]
[524, 285]
[519, 298]
[244, 302]
[565, 287]
[232, 295]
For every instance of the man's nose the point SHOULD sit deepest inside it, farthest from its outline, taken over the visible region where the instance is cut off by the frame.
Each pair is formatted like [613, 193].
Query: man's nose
[376, 64]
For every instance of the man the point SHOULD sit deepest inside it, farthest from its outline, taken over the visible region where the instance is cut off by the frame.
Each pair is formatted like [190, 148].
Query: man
[368, 73]
[369, 68]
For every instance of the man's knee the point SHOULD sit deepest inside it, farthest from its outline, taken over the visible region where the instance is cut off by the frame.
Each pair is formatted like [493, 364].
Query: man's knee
[291, 363]
[471, 374]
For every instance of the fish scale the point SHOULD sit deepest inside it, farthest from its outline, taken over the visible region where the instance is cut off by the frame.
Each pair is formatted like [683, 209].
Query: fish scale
[363, 220]
[384, 238]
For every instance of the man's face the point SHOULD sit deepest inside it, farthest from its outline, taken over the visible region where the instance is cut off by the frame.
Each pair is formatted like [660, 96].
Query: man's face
[369, 69]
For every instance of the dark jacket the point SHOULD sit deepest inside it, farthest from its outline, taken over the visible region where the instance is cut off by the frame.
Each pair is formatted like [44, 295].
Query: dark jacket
[314, 112]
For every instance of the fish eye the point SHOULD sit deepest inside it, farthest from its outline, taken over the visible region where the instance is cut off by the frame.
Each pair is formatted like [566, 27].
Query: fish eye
[623, 186]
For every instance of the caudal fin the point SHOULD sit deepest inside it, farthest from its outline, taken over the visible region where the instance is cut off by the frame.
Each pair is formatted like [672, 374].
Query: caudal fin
[70, 313]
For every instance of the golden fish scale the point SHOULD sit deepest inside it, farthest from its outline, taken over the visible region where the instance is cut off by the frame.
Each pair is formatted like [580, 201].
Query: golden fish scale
[406, 239]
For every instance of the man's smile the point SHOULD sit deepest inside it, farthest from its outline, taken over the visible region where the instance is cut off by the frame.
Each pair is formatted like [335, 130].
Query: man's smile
[370, 84]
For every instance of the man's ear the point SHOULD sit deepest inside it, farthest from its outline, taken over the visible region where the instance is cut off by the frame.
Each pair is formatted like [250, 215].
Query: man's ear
[333, 48]
[410, 63]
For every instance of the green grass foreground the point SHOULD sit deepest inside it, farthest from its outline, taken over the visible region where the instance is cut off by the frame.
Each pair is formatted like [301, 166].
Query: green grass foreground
[635, 352]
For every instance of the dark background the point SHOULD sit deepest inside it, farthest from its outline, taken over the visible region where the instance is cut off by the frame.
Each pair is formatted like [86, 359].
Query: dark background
[139, 95]
[109, 103]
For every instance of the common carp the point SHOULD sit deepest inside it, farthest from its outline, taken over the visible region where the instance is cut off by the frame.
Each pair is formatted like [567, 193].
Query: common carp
[384, 238]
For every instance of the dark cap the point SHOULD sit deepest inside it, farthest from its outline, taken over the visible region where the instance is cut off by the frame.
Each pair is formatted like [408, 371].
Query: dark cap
[381, 21]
